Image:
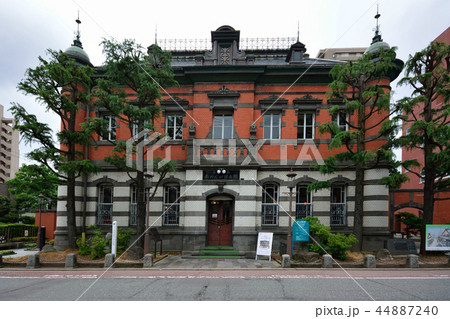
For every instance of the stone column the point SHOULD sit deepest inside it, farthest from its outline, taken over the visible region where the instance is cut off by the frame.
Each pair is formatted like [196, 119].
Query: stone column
[109, 260]
[285, 261]
[412, 261]
[369, 261]
[33, 261]
[71, 261]
[327, 261]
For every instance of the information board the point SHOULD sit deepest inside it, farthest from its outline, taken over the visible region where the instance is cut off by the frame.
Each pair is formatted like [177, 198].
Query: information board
[438, 237]
[300, 230]
[264, 245]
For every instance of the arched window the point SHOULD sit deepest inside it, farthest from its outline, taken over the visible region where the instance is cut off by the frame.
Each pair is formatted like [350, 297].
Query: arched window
[171, 208]
[105, 204]
[338, 205]
[303, 207]
[270, 197]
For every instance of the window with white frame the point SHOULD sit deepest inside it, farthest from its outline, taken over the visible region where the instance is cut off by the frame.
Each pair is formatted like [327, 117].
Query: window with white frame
[105, 204]
[270, 197]
[305, 126]
[136, 130]
[303, 202]
[272, 126]
[171, 213]
[338, 206]
[341, 119]
[174, 127]
[111, 128]
[223, 127]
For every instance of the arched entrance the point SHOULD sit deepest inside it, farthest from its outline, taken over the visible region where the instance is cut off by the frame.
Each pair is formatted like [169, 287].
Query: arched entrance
[220, 220]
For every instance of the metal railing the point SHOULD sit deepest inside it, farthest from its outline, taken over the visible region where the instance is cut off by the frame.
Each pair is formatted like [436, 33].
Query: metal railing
[269, 214]
[133, 214]
[104, 214]
[171, 215]
[338, 214]
[303, 210]
[280, 43]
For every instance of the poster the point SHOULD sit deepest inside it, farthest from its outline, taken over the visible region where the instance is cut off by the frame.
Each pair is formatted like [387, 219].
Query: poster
[264, 245]
[438, 237]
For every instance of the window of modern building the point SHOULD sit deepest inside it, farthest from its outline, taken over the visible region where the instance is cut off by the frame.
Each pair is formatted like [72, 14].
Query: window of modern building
[338, 206]
[223, 127]
[171, 214]
[303, 206]
[272, 126]
[305, 127]
[341, 119]
[112, 126]
[105, 205]
[270, 204]
[174, 127]
[133, 206]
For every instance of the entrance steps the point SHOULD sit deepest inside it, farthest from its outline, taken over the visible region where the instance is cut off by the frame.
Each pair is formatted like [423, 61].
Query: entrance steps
[214, 252]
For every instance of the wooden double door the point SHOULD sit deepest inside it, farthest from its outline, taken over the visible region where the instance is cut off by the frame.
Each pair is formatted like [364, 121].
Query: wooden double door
[220, 216]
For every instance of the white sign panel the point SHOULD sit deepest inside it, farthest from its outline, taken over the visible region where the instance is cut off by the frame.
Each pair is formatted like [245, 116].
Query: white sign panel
[438, 237]
[114, 239]
[264, 245]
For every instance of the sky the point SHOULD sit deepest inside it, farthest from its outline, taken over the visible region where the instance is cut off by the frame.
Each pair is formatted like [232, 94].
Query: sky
[29, 27]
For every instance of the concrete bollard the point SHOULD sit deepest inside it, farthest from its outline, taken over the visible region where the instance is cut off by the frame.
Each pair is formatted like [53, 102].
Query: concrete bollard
[148, 261]
[71, 261]
[412, 261]
[33, 261]
[285, 261]
[109, 260]
[369, 261]
[327, 261]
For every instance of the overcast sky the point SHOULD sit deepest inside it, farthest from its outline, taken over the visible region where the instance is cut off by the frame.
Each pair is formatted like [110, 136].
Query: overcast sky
[29, 27]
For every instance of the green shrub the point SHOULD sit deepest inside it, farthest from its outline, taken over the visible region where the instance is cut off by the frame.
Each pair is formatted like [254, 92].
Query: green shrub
[123, 237]
[336, 245]
[98, 244]
[7, 252]
[412, 222]
[30, 245]
[19, 239]
[27, 220]
[83, 247]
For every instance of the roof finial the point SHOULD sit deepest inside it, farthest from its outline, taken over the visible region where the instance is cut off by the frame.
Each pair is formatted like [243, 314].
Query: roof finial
[298, 30]
[156, 34]
[377, 37]
[77, 41]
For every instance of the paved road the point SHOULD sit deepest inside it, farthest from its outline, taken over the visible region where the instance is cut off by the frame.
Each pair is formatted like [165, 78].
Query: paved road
[262, 284]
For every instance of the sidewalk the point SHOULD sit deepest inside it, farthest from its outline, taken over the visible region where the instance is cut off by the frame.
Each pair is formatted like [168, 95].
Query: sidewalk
[176, 262]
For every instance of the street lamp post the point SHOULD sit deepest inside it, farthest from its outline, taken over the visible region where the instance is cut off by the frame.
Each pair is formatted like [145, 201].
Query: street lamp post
[39, 223]
[290, 176]
[146, 234]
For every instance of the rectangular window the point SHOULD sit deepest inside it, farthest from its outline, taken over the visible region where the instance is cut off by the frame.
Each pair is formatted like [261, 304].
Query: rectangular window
[272, 126]
[174, 127]
[112, 126]
[223, 127]
[303, 202]
[270, 204]
[171, 214]
[305, 127]
[341, 119]
[338, 206]
[105, 205]
[133, 206]
[136, 130]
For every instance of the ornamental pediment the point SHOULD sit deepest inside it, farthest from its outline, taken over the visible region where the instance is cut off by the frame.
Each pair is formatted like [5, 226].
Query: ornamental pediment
[307, 99]
[273, 99]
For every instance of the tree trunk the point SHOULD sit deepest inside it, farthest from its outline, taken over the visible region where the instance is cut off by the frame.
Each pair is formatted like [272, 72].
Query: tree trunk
[428, 197]
[141, 211]
[359, 206]
[71, 213]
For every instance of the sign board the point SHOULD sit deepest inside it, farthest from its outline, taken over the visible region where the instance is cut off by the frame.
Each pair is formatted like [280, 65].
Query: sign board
[438, 237]
[300, 230]
[264, 245]
[114, 239]
[400, 246]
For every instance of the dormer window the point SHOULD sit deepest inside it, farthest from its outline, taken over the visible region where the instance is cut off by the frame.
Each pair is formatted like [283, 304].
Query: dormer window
[296, 53]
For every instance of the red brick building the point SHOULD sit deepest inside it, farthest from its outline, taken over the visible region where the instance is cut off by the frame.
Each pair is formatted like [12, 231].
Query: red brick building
[410, 198]
[238, 121]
